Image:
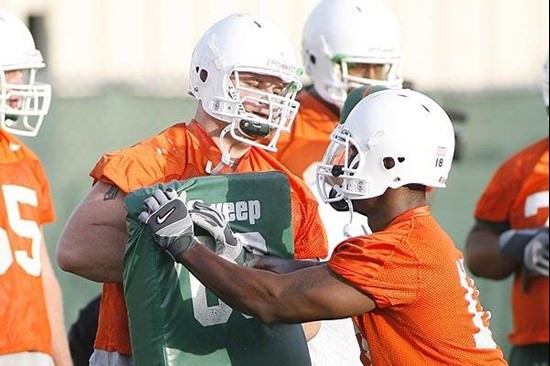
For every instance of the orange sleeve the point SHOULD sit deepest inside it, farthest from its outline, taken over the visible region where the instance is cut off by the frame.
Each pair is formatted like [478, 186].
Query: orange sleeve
[310, 241]
[385, 273]
[499, 196]
[144, 164]
[47, 213]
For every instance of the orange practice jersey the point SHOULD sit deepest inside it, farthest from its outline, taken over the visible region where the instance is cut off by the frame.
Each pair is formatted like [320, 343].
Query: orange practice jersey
[518, 195]
[310, 136]
[182, 152]
[25, 204]
[427, 309]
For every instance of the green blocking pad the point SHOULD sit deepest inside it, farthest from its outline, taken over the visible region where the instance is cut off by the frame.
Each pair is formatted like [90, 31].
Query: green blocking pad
[174, 320]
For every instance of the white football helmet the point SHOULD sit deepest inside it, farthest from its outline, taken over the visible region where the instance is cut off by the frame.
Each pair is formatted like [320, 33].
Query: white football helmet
[340, 33]
[391, 139]
[23, 105]
[242, 44]
[545, 84]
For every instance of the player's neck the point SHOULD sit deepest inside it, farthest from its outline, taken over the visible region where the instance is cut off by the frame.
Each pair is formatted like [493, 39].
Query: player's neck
[332, 107]
[383, 210]
[214, 128]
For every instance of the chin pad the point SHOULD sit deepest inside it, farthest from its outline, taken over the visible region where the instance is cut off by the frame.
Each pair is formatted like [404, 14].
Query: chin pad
[340, 206]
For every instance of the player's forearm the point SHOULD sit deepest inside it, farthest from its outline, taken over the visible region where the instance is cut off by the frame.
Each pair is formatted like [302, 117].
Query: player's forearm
[279, 265]
[244, 289]
[60, 346]
[484, 258]
[94, 252]
[292, 298]
[54, 307]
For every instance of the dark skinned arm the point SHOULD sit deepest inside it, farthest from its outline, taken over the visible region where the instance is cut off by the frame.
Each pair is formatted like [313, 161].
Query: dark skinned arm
[483, 255]
[310, 294]
[280, 265]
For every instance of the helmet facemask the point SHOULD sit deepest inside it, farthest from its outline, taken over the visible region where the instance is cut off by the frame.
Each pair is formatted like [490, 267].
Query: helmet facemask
[345, 80]
[24, 103]
[347, 73]
[390, 75]
[337, 178]
[258, 116]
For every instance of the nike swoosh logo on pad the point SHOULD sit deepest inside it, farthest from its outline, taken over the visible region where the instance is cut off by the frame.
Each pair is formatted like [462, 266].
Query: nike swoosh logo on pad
[162, 219]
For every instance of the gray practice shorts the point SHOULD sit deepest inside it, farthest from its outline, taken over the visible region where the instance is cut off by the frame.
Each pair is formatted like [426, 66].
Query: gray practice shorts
[26, 359]
[104, 358]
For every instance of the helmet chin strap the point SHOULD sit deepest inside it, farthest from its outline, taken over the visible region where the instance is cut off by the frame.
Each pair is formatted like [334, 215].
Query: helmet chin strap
[347, 227]
[226, 156]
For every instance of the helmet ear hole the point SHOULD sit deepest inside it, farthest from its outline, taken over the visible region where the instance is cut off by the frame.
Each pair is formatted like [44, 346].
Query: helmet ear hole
[313, 59]
[203, 75]
[401, 160]
[389, 163]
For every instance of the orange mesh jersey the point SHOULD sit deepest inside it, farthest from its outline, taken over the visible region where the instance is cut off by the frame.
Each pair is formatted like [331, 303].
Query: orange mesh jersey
[427, 309]
[518, 195]
[182, 152]
[25, 204]
[310, 136]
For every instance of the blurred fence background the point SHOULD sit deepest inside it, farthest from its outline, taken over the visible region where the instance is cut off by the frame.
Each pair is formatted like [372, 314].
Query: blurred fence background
[118, 69]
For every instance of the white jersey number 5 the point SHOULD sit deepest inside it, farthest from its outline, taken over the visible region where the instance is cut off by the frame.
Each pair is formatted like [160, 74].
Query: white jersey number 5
[13, 196]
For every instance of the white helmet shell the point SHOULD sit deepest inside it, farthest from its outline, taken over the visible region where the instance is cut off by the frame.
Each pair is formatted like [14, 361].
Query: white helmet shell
[240, 44]
[343, 32]
[23, 104]
[391, 139]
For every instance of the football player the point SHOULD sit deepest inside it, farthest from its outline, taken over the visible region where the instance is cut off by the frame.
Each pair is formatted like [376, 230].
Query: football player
[346, 44]
[245, 77]
[31, 312]
[510, 236]
[405, 285]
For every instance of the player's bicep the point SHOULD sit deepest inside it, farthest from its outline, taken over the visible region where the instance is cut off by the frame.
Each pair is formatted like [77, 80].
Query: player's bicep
[320, 293]
[95, 230]
[104, 205]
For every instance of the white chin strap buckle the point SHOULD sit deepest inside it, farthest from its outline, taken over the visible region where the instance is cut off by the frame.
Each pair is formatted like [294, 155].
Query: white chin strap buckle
[226, 161]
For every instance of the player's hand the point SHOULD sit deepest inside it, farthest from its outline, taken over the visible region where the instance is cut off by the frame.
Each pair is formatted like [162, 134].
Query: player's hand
[166, 213]
[529, 247]
[535, 258]
[228, 246]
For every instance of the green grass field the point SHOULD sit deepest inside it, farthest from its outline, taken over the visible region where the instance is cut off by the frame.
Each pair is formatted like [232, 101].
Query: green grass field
[78, 131]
